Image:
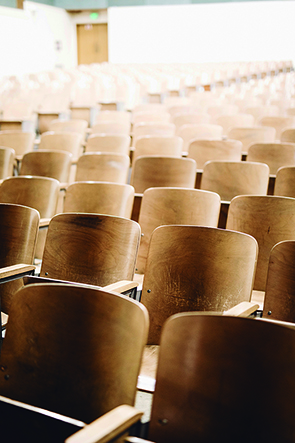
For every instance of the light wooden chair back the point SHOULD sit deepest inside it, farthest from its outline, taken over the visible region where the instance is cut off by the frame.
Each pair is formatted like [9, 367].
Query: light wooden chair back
[100, 198]
[262, 111]
[190, 118]
[203, 151]
[47, 163]
[157, 171]
[110, 127]
[155, 129]
[94, 249]
[81, 113]
[7, 156]
[40, 193]
[285, 182]
[290, 111]
[229, 179]
[73, 125]
[201, 132]
[21, 142]
[288, 135]
[225, 109]
[206, 359]
[195, 268]
[279, 300]
[174, 206]
[103, 166]
[151, 116]
[73, 350]
[123, 117]
[18, 231]
[45, 119]
[275, 155]
[278, 122]
[269, 219]
[149, 107]
[62, 141]
[147, 145]
[185, 109]
[244, 103]
[248, 136]
[119, 143]
[231, 121]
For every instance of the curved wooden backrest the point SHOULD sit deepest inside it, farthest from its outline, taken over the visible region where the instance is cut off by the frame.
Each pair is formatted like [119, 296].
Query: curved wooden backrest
[110, 127]
[156, 171]
[47, 163]
[190, 118]
[18, 233]
[195, 268]
[225, 109]
[149, 107]
[73, 350]
[201, 131]
[158, 145]
[207, 368]
[205, 150]
[99, 197]
[152, 128]
[90, 248]
[61, 141]
[274, 155]
[230, 121]
[40, 193]
[103, 166]
[279, 300]
[184, 109]
[7, 156]
[150, 116]
[113, 116]
[285, 182]
[269, 219]
[288, 135]
[73, 125]
[45, 119]
[229, 179]
[262, 111]
[21, 142]
[278, 122]
[167, 206]
[255, 134]
[119, 143]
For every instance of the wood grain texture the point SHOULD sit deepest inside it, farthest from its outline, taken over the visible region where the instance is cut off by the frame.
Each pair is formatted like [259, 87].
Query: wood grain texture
[7, 156]
[285, 182]
[72, 125]
[90, 248]
[81, 354]
[288, 135]
[278, 122]
[275, 155]
[45, 119]
[166, 206]
[231, 121]
[190, 118]
[99, 166]
[21, 142]
[269, 219]
[99, 197]
[109, 127]
[248, 136]
[62, 141]
[157, 171]
[47, 163]
[229, 179]
[119, 143]
[152, 128]
[203, 151]
[157, 145]
[194, 268]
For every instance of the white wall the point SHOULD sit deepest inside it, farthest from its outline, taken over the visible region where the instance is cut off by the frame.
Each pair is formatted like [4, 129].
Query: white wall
[202, 32]
[28, 39]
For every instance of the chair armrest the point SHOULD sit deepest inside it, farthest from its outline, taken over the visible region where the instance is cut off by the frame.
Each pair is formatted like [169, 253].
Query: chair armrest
[121, 286]
[243, 309]
[15, 271]
[109, 426]
[44, 223]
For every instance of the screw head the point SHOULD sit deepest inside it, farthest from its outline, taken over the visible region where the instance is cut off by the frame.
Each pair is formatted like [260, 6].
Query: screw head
[269, 313]
[149, 290]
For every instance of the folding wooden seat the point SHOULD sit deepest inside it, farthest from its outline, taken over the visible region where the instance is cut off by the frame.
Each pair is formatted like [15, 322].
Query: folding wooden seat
[155, 129]
[288, 135]
[148, 145]
[103, 166]
[62, 141]
[248, 136]
[20, 142]
[278, 122]
[7, 156]
[203, 151]
[73, 125]
[106, 127]
[203, 131]
[285, 182]
[118, 143]
[47, 163]
[275, 155]
[231, 121]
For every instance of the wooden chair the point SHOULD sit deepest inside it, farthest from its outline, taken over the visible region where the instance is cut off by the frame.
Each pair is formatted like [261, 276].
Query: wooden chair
[151, 116]
[80, 355]
[275, 155]
[190, 118]
[206, 376]
[103, 166]
[262, 111]
[285, 182]
[278, 122]
[229, 179]
[166, 206]
[18, 230]
[195, 268]
[248, 136]
[269, 219]
[62, 141]
[47, 163]
[123, 117]
[148, 145]
[106, 127]
[118, 143]
[94, 249]
[157, 171]
[149, 107]
[288, 135]
[155, 129]
[205, 150]
[99, 197]
[279, 300]
[225, 109]
[73, 125]
[45, 119]
[198, 132]
[7, 156]
[21, 142]
[231, 121]
[184, 109]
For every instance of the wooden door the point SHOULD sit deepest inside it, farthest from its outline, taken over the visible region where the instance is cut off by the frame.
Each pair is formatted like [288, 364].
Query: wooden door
[92, 41]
